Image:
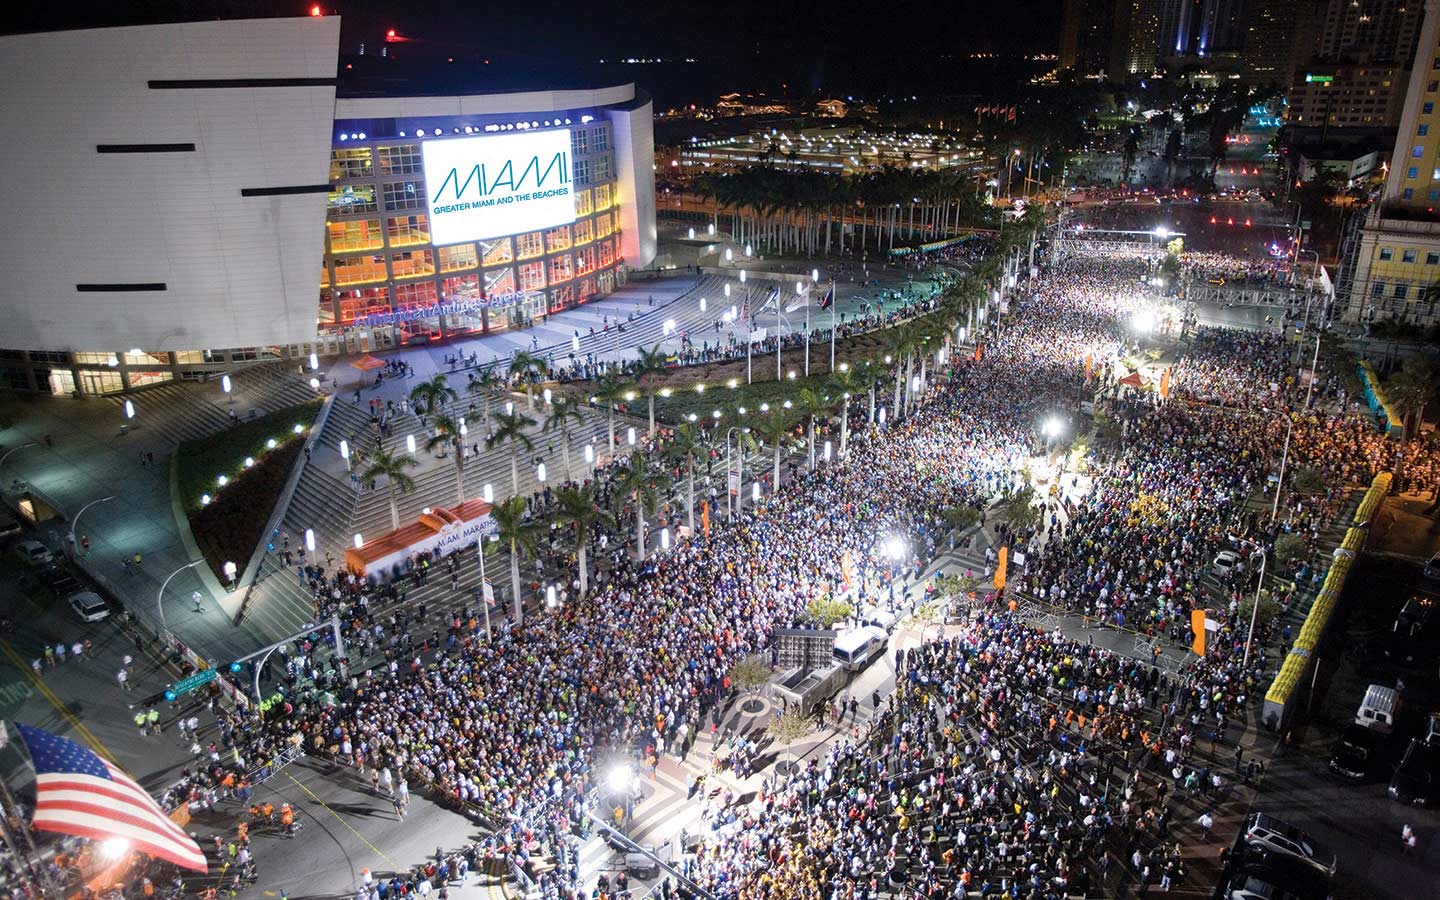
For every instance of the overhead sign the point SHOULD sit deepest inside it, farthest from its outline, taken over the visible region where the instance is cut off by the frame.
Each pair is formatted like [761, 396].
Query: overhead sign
[190, 683]
[444, 307]
[481, 187]
[1311, 78]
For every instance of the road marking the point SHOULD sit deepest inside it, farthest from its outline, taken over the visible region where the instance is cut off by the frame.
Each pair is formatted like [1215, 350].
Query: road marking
[40, 685]
[341, 819]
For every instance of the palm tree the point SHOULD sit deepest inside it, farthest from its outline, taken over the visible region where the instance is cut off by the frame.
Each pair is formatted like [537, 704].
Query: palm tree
[434, 393]
[685, 447]
[899, 344]
[510, 429]
[642, 484]
[576, 506]
[610, 390]
[564, 413]
[448, 435]
[484, 384]
[811, 405]
[775, 430]
[649, 364]
[845, 383]
[523, 366]
[392, 467]
[522, 535]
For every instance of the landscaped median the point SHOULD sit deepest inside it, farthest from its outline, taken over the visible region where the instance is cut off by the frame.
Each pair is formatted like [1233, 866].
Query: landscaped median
[228, 481]
[1298, 661]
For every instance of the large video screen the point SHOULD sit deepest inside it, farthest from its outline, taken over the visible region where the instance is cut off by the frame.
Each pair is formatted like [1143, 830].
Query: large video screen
[481, 187]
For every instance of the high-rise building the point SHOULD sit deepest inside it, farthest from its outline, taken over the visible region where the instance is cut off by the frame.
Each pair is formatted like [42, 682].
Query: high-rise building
[1353, 71]
[1398, 255]
[1140, 42]
[1274, 31]
[1087, 35]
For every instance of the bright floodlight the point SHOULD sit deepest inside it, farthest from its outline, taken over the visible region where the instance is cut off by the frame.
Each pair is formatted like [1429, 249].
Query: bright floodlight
[895, 548]
[310, 539]
[630, 436]
[1052, 426]
[1162, 232]
[620, 778]
[410, 442]
[488, 493]
[114, 848]
[814, 274]
[1144, 321]
[359, 541]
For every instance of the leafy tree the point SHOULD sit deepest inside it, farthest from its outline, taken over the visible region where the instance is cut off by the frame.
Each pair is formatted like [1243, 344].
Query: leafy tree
[392, 467]
[647, 367]
[959, 518]
[847, 383]
[1288, 548]
[1270, 609]
[775, 430]
[524, 367]
[686, 447]
[610, 390]
[484, 384]
[1307, 480]
[750, 674]
[826, 611]
[789, 727]
[811, 406]
[1021, 513]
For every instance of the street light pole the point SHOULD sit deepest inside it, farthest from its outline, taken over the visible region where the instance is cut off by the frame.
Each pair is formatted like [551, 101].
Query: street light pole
[74, 523]
[160, 597]
[1254, 608]
[1284, 458]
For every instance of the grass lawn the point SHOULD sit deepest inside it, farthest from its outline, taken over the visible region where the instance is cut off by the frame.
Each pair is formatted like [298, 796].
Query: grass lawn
[227, 529]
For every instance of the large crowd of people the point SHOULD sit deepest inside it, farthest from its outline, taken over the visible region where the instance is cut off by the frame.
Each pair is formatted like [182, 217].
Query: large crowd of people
[1010, 759]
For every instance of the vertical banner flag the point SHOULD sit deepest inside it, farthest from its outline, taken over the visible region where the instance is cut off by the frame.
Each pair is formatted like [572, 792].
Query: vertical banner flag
[1000, 568]
[847, 569]
[1089, 365]
[705, 516]
[977, 351]
[1165, 384]
[1197, 625]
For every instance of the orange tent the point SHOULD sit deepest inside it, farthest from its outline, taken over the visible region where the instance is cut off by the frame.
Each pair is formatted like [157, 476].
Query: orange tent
[367, 362]
[1134, 380]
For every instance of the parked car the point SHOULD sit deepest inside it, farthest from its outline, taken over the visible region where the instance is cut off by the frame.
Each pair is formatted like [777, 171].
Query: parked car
[1415, 635]
[1253, 887]
[63, 584]
[1225, 563]
[1379, 709]
[1299, 878]
[9, 525]
[33, 553]
[89, 606]
[1267, 834]
[1414, 781]
[1354, 754]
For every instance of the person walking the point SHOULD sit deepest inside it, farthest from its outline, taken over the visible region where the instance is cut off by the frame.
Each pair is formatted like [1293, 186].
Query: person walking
[1206, 822]
[124, 678]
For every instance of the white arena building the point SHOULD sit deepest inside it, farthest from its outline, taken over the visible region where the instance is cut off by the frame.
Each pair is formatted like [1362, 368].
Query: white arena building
[189, 197]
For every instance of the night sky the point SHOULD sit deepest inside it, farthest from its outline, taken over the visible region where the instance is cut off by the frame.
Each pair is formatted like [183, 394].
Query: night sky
[779, 46]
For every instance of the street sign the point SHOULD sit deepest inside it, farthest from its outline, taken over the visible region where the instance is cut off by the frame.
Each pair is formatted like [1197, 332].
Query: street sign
[191, 682]
[489, 592]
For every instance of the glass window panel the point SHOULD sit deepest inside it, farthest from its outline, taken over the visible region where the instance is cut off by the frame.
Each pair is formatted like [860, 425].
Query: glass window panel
[457, 257]
[499, 281]
[602, 196]
[560, 268]
[584, 232]
[408, 231]
[354, 304]
[359, 269]
[531, 276]
[419, 293]
[403, 195]
[401, 160]
[557, 239]
[461, 287]
[584, 260]
[497, 252]
[351, 163]
[412, 263]
[352, 199]
[529, 246]
[356, 234]
[582, 202]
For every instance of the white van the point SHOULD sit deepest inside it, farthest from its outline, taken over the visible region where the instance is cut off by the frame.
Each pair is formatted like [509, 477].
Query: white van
[1379, 708]
[855, 649]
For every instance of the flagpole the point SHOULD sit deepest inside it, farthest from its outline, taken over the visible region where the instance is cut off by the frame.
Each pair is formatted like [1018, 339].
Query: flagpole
[833, 300]
[807, 337]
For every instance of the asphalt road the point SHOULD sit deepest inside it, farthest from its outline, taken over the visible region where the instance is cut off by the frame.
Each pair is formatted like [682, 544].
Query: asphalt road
[1359, 821]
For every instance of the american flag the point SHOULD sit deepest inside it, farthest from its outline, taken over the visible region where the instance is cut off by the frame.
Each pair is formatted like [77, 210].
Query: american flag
[828, 298]
[77, 792]
[745, 307]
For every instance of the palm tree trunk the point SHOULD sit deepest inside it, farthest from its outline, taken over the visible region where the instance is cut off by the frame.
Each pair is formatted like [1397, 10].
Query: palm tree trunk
[775, 476]
[639, 529]
[652, 415]
[515, 585]
[394, 510]
[844, 425]
[565, 453]
[581, 558]
[872, 405]
[514, 470]
[811, 436]
[899, 384]
[459, 473]
[612, 431]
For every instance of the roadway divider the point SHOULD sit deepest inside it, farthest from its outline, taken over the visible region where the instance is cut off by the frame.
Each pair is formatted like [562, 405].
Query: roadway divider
[1380, 407]
[1300, 661]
